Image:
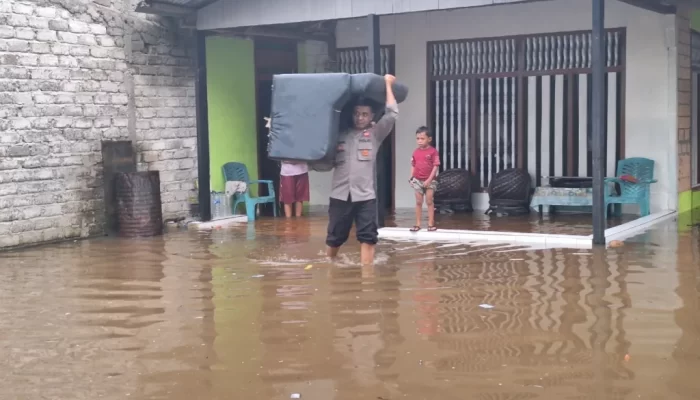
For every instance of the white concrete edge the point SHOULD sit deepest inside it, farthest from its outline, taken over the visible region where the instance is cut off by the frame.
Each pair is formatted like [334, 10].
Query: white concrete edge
[481, 237]
[638, 226]
[219, 223]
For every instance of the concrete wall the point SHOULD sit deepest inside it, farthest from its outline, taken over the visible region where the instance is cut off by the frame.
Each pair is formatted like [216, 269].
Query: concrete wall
[686, 198]
[688, 193]
[74, 73]
[650, 101]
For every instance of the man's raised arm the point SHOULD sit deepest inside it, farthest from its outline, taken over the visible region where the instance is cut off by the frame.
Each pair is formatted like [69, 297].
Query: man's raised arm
[388, 120]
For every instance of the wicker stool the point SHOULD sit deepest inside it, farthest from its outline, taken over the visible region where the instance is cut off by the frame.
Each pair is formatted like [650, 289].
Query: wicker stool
[509, 192]
[454, 191]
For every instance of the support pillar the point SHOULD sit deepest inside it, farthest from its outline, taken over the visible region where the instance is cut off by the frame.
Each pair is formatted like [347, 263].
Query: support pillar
[202, 110]
[598, 114]
[374, 65]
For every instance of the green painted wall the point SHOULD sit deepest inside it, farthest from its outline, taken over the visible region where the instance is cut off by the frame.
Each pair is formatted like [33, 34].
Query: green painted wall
[689, 201]
[688, 209]
[231, 101]
[301, 57]
[695, 20]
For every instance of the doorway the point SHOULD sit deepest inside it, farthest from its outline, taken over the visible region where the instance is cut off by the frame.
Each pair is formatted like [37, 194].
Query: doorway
[272, 56]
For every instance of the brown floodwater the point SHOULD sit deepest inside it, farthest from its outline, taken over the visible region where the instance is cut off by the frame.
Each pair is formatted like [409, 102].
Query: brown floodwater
[238, 314]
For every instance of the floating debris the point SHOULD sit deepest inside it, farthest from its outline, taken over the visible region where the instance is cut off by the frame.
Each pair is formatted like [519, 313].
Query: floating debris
[295, 396]
[308, 267]
[617, 243]
[486, 306]
[258, 276]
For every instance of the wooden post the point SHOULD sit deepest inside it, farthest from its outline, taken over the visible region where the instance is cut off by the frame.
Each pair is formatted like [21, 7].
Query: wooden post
[597, 114]
[374, 65]
[202, 110]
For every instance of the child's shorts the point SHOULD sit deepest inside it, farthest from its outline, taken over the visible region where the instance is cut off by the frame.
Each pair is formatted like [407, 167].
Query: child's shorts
[419, 186]
[294, 189]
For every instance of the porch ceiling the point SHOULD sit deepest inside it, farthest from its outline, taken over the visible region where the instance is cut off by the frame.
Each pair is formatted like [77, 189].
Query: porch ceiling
[321, 31]
[227, 14]
[189, 7]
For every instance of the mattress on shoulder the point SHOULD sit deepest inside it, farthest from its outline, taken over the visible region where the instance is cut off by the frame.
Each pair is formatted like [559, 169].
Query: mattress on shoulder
[306, 115]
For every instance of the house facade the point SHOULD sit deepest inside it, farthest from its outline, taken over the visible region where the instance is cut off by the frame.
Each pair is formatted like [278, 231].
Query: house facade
[501, 83]
[482, 123]
[508, 83]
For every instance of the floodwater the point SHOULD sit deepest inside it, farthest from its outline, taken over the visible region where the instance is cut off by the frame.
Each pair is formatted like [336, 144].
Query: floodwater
[255, 312]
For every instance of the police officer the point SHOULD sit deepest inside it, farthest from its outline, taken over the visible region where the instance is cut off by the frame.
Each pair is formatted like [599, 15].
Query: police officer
[353, 198]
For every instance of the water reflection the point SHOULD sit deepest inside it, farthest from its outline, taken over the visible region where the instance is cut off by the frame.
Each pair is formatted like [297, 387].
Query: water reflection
[686, 354]
[256, 311]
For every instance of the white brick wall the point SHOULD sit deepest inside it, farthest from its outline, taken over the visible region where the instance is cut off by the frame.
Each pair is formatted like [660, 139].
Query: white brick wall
[67, 82]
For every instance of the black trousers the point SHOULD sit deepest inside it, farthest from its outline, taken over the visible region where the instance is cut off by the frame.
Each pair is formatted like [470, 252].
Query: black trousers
[341, 215]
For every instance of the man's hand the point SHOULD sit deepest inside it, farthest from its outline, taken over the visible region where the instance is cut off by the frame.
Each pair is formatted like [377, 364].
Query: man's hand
[389, 79]
[427, 184]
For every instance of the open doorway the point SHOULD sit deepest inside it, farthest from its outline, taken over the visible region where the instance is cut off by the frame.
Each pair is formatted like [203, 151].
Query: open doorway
[272, 56]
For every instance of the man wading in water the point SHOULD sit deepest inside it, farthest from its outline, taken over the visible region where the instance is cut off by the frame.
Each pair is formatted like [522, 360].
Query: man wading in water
[352, 195]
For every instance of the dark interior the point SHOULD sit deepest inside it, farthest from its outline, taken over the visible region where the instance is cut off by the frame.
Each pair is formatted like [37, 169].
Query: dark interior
[272, 56]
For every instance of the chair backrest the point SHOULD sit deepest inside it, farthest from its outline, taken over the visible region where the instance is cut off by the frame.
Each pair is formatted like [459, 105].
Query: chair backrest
[638, 167]
[234, 171]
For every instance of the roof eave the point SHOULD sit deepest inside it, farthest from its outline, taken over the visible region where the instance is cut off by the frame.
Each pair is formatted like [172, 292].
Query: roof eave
[165, 8]
[664, 6]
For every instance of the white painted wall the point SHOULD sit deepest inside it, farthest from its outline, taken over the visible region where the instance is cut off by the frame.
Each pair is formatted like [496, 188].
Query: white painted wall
[650, 105]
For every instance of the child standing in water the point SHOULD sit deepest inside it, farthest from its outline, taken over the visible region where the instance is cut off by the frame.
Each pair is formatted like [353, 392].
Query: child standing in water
[424, 167]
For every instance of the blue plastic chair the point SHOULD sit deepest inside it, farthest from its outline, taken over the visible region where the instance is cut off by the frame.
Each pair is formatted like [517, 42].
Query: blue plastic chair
[631, 192]
[238, 172]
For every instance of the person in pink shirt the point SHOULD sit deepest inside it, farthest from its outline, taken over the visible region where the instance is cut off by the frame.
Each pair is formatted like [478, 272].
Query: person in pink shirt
[424, 168]
[294, 184]
[294, 187]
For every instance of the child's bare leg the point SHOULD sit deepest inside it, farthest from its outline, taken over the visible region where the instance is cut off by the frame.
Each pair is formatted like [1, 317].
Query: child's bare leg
[429, 194]
[298, 207]
[419, 208]
[288, 210]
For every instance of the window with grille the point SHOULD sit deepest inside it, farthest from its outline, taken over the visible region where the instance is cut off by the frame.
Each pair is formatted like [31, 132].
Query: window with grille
[523, 102]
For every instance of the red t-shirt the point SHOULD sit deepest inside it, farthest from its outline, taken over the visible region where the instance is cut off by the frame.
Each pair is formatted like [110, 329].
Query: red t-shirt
[423, 161]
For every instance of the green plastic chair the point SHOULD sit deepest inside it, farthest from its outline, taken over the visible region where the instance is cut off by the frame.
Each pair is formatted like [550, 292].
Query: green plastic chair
[637, 192]
[238, 172]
